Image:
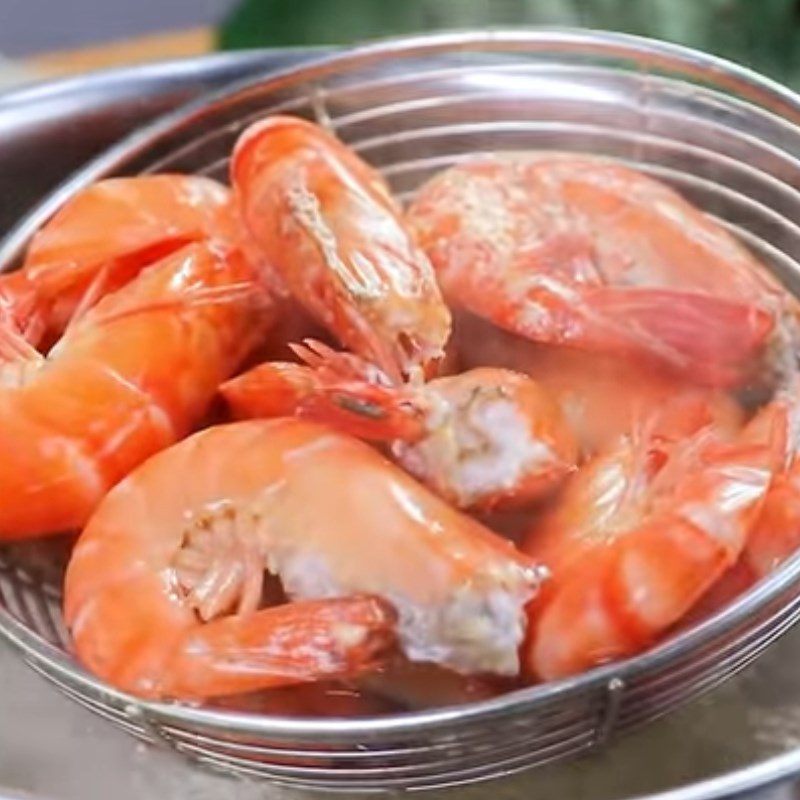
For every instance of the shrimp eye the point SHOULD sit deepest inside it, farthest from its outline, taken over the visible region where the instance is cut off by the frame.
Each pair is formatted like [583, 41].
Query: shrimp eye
[361, 407]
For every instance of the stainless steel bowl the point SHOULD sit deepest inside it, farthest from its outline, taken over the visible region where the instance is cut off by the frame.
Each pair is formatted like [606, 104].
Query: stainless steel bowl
[52, 129]
[723, 136]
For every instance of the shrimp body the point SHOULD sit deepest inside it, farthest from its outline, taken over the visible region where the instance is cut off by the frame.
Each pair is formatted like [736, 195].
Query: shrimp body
[324, 221]
[165, 561]
[131, 377]
[640, 534]
[106, 235]
[578, 251]
[481, 439]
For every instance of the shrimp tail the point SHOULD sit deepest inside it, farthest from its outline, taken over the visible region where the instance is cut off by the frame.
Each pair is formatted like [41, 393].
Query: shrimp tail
[283, 645]
[711, 340]
[334, 388]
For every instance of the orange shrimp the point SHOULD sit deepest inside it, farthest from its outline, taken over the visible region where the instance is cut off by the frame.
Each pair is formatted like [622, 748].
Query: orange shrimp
[132, 376]
[481, 439]
[641, 533]
[162, 592]
[325, 222]
[101, 239]
[776, 535]
[576, 250]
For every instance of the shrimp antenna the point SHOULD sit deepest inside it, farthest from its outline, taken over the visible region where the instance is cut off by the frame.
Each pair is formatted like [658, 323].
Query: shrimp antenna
[323, 118]
[194, 296]
[346, 366]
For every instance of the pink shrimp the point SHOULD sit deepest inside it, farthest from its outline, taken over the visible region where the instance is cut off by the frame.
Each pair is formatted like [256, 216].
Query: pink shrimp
[481, 439]
[163, 589]
[324, 221]
[579, 251]
[641, 533]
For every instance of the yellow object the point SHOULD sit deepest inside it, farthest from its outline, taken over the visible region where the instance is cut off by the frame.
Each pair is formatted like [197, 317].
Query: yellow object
[175, 44]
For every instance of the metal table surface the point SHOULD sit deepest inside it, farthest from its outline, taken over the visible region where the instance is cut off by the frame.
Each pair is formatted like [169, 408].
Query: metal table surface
[51, 748]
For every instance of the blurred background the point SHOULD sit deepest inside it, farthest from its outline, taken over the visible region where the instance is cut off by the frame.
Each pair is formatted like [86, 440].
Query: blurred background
[45, 38]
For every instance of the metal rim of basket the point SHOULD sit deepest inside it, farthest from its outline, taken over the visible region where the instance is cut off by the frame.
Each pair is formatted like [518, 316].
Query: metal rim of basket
[55, 661]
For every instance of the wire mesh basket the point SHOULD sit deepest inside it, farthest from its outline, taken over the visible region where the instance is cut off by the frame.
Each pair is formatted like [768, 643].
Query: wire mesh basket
[724, 137]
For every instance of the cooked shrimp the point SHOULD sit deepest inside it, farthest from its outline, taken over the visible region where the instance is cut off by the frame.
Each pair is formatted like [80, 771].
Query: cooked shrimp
[102, 238]
[484, 438]
[575, 250]
[325, 222]
[131, 377]
[641, 533]
[163, 588]
[775, 537]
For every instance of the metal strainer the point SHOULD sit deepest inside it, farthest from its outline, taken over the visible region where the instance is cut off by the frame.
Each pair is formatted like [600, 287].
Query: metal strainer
[724, 137]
